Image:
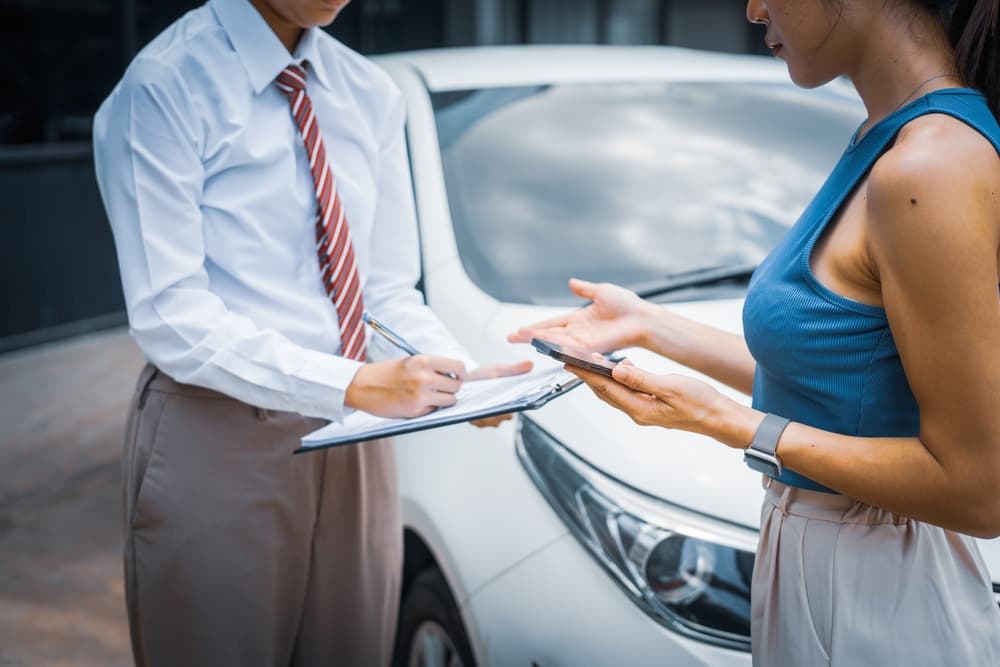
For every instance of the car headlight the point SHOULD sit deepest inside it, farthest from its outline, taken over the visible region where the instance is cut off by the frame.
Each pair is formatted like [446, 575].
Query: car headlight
[689, 572]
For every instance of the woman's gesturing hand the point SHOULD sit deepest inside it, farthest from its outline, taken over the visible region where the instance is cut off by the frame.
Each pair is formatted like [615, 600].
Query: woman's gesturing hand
[670, 401]
[612, 321]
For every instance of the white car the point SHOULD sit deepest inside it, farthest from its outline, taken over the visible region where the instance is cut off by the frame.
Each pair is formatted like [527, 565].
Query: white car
[571, 536]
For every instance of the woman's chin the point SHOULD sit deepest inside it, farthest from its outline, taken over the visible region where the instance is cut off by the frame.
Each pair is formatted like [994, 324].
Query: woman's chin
[805, 78]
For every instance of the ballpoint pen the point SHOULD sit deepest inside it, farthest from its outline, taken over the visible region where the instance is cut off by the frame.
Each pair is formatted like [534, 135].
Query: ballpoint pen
[393, 337]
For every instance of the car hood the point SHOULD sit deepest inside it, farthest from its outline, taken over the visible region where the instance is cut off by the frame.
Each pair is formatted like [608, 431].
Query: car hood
[683, 468]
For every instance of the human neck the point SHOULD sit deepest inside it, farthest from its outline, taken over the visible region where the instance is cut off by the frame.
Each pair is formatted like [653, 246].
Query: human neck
[901, 62]
[288, 32]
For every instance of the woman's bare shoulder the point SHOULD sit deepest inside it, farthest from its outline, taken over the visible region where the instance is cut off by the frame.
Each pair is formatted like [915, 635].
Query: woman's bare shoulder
[939, 169]
[937, 151]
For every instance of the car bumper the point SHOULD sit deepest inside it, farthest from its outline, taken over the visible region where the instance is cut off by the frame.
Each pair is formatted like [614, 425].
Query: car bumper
[558, 607]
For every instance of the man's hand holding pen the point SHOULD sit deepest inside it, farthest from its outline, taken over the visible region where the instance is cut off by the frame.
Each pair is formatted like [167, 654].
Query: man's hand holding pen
[406, 387]
[417, 384]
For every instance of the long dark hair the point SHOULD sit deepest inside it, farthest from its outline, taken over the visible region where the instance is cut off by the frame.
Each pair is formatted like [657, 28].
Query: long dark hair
[972, 27]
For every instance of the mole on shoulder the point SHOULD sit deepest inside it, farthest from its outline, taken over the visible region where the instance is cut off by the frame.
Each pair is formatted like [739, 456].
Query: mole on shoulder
[913, 201]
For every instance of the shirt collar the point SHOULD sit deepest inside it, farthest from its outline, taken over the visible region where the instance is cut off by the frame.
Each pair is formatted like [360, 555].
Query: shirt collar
[308, 49]
[259, 49]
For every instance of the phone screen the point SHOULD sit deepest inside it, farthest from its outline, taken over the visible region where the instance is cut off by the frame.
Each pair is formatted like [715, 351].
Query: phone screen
[574, 356]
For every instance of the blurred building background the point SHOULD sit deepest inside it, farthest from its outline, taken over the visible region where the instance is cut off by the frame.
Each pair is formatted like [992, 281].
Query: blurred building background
[60, 58]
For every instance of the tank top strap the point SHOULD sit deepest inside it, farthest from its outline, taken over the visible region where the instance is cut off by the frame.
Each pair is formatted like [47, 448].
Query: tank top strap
[964, 104]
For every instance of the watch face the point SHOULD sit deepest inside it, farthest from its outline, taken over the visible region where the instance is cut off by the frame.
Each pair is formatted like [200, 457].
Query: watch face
[760, 465]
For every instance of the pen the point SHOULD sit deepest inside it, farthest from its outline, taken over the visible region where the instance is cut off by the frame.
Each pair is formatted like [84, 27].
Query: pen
[393, 337]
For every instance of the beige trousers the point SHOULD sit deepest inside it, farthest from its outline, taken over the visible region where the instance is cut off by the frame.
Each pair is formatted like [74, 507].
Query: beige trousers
[238, 553]
[838, 582]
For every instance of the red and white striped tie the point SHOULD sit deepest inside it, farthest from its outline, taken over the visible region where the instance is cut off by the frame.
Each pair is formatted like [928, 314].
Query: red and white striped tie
[333, 235]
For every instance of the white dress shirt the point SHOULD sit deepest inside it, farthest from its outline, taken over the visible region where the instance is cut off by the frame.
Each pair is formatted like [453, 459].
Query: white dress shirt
[212, 204]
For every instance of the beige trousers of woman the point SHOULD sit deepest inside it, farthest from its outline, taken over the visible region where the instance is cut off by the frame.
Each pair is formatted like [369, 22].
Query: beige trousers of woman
[838, 582]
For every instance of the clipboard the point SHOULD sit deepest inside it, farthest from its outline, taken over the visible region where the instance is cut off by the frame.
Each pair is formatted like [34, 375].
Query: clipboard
[476, 400]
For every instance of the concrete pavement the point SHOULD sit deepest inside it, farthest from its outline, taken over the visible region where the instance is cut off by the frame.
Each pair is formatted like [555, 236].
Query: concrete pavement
[62, 410]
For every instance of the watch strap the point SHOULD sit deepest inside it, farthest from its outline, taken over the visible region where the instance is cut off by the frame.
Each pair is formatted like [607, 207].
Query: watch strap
[761, 455]
[768, 433]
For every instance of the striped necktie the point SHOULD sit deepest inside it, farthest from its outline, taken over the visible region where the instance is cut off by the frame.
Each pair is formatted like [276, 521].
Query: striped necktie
[333, 235]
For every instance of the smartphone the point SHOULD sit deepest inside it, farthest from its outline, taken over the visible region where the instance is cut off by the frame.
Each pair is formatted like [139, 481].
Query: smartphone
[574, 356]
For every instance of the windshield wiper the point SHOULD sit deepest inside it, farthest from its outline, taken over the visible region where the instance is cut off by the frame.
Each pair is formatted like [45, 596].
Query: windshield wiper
[704, 277]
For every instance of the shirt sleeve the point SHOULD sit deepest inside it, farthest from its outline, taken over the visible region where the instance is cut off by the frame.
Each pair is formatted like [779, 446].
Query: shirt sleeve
[147, 146]
[391, 294]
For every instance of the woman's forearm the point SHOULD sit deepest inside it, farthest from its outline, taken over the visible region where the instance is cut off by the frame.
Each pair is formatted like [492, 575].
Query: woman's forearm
[900, 475]
[719, 354]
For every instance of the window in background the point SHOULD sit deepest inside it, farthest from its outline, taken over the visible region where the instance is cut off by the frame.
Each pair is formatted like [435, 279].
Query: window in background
[58, 59]
[380, 26]
[634, 22]
[718, 25]
[152, 16]
[562, 21]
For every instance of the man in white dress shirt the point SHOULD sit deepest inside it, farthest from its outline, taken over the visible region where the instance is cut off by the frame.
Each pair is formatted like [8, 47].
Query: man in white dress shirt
[238, 553]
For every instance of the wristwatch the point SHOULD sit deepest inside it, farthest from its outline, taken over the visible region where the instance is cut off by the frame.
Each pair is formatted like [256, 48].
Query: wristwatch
[761, 455]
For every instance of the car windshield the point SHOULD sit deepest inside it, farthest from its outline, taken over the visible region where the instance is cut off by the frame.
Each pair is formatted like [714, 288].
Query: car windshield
[629, 182]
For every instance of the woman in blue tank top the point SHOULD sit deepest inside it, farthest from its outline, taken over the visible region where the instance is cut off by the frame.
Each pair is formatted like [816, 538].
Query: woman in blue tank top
[871, 348]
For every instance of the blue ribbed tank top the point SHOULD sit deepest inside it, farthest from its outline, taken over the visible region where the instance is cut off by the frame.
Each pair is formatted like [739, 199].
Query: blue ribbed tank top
[822, 359]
